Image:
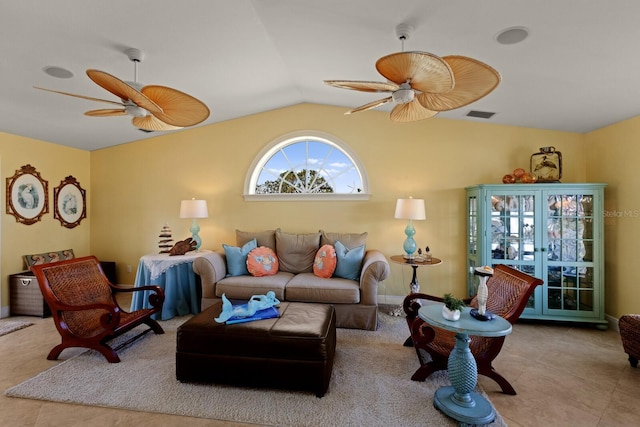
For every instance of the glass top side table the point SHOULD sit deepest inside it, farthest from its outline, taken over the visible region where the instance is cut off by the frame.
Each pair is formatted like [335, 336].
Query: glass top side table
[459, 401]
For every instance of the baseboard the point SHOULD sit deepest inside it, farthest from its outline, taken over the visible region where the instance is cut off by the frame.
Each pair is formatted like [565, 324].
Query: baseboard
[391, 299]
[613, 322]
[5, 311]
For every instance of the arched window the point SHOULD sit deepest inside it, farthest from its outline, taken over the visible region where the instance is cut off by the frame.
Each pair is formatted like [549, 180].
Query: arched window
[308, 165]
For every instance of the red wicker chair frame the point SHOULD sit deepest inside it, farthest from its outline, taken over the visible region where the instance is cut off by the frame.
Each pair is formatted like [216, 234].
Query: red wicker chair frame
[629, 325]
[509, 291]
[84, 307]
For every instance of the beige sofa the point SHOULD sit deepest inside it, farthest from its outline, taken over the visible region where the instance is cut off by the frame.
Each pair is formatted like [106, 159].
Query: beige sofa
[355, 301]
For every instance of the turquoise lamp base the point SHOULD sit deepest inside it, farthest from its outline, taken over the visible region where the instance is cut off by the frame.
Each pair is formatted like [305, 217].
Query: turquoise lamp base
[195, 229]
[410, 245]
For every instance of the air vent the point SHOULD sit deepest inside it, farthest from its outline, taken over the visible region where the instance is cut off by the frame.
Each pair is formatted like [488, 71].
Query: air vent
[480, 114]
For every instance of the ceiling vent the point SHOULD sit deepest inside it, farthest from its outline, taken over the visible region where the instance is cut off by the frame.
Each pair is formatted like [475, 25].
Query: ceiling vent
[480, 114]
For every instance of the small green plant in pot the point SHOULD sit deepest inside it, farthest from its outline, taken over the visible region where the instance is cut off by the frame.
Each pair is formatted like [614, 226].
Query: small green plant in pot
[451, 308]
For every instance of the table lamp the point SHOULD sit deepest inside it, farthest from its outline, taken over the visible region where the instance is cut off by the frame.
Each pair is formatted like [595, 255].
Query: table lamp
[411, 209]
[194, 209]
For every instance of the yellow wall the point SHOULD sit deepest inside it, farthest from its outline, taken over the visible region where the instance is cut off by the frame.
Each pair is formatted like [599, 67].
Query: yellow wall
[55, 163]
[612, 158]
[137, 187]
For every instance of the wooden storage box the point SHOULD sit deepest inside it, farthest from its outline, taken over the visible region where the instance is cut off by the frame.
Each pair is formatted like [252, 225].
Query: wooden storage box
[25, 296]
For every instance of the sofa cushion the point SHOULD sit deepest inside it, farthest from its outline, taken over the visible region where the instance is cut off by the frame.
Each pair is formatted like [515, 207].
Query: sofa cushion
[237, 257]
[349, 261]
[263, 238]
[262, 261]
[296, 252]
[244, 287]
[350, 240]
[307, 287]
[324, 263]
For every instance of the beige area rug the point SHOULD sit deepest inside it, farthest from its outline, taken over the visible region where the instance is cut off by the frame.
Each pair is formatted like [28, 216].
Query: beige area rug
[370, 385]
[8, 326]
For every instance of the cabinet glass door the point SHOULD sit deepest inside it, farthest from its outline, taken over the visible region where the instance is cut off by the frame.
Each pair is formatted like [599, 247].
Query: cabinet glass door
[569, 258]
[513, 237]
[472, 242]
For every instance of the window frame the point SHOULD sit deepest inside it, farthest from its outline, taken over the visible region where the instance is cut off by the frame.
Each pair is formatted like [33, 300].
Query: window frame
[291, 138]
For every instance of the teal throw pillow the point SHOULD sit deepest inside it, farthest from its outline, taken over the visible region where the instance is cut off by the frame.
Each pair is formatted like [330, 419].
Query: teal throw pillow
[349, 261]
[237, 258]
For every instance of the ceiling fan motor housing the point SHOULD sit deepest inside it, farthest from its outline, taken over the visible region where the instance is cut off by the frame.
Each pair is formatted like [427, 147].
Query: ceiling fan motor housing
[403, 95]
[135, 111]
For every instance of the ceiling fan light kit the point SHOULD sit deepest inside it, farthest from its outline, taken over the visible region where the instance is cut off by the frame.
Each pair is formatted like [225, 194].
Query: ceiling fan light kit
[423, 84]
[152, 107]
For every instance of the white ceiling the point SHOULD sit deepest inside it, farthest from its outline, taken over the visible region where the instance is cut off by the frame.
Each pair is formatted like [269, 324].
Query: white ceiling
[577, 71]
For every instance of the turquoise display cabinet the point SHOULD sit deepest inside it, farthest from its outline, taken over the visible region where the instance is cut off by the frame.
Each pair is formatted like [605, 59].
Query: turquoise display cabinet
[552, 231]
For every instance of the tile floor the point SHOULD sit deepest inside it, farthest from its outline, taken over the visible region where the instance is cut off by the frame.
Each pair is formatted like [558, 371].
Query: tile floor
[565, 375]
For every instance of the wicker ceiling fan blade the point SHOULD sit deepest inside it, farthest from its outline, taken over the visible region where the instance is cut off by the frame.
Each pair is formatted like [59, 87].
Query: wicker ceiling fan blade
[107, 112]
[79, 96]
[363, 86]
[370, 105]
[123, 90]
[178, 108]
[473, 80]
[424, 71]
[152, 124]
[410, 112]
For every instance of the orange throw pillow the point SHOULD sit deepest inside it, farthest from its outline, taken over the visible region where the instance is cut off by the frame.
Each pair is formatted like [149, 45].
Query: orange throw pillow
[325, 261]
[262, 261]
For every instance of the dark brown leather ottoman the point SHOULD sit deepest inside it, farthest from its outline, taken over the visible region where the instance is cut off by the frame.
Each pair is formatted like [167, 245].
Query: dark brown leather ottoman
[294, 351]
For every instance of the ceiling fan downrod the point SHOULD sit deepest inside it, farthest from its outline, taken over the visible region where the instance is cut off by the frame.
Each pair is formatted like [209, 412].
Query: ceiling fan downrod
[136, 56]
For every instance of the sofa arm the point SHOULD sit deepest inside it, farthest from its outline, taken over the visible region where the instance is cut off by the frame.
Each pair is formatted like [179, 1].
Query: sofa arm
[211, 268]
[375, 269]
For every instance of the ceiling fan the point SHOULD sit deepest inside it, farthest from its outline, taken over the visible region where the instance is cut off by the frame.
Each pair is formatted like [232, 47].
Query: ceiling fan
[423, 84]
[153, 107]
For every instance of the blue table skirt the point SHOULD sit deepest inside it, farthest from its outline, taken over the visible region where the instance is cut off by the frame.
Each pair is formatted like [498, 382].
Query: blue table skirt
[181, 291]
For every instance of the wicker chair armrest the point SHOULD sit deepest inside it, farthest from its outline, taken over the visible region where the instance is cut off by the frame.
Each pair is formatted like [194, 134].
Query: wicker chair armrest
[118, 288]
[411, 303]
[59, 306]
[421, 333]
[156, 299]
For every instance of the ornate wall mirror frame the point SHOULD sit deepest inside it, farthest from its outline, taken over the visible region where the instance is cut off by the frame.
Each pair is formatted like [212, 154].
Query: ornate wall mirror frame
[27, 195]
[70, 203]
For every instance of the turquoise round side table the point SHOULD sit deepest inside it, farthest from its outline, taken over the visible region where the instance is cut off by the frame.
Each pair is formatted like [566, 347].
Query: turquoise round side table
[460, 401]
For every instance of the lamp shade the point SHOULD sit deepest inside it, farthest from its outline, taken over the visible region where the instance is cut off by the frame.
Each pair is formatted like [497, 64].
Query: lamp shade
[410, 209]
[194, 209]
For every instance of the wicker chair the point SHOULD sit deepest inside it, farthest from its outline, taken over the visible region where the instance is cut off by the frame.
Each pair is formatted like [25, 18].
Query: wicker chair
[84, 307]
[509, 291]
[629, 325]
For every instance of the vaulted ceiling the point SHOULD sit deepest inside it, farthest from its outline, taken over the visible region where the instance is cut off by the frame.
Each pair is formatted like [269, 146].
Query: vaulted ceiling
[576, 71]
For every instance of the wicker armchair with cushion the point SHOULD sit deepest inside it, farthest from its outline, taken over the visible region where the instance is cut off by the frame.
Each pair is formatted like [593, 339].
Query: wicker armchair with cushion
[509, 291]
[84, 307]
[629, 325]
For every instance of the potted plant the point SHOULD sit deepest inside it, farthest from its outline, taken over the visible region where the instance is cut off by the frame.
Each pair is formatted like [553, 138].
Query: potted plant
[451, 307]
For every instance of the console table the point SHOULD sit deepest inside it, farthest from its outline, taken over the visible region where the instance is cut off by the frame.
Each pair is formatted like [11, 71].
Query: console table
[459, 401]
[174, 274]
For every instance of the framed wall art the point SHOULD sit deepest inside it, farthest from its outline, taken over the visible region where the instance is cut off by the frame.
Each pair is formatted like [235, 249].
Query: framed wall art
[27, 195]
[70, 203]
